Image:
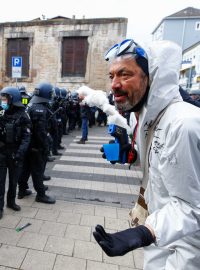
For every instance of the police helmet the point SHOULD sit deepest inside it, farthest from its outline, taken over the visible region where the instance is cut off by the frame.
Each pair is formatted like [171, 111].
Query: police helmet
[63, 92]
[13, 95]
[43, 93]
[74, 95]
[22, 89]
[57, 92]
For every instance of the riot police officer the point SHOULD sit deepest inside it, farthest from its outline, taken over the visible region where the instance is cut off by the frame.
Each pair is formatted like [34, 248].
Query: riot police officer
[65, 111]
[58, 109]
[53, 130]
[74, 112]
[14, 141]
[39, 146]
[24, 95]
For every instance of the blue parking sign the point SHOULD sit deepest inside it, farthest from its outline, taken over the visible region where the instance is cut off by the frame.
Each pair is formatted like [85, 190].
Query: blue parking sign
[16, 61]
[16, 67]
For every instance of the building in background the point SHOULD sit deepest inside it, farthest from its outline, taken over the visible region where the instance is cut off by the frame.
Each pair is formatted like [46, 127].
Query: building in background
[182, 27]
[190, 69]
[66, 52]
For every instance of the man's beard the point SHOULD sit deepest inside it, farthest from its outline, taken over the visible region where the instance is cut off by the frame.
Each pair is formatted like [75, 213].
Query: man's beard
[128, 107]
[124, 106]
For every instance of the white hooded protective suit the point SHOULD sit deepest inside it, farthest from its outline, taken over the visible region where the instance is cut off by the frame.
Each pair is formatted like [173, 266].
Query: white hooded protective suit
[173, 189]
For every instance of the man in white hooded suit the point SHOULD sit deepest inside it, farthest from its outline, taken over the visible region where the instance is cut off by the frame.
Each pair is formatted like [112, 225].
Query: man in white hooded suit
[146, 82]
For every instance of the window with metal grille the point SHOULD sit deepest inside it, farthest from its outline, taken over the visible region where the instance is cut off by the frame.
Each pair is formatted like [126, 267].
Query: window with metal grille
[74, 56]
[18, 47]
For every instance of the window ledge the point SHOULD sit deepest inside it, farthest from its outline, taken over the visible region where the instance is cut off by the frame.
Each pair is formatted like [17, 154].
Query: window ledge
[24, 79]
[73, 79]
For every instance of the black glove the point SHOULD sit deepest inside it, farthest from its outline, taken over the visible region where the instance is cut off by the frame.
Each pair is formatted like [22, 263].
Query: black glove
[118, 244]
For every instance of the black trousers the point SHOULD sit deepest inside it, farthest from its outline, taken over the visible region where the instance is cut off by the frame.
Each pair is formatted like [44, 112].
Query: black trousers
[64, 123]
[54, 135]
[72, 122]
[7, 163]
[60, 132]
[35, 166]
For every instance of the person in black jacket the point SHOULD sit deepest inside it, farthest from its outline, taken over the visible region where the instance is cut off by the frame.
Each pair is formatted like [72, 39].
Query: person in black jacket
[187, 97]
[58, 110]
[39, 146]
[14, 141]
[101, 118]
[85, 112]
[65, 111]
[74, 112]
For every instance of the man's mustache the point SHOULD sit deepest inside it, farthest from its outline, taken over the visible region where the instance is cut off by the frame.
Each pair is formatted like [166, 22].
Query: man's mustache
[119, 92]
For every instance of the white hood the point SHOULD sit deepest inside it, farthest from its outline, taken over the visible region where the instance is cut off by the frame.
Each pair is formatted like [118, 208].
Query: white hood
[164, 59]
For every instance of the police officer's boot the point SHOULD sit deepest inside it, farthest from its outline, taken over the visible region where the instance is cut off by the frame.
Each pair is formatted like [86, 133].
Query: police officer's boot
[11, 200]
[1, 205]
[46, 177]
[1, 214]
[50, 158]
[56, 153]
[60, 147]
[23, 193]
[1, 198]
[45, 199]
[13, 206]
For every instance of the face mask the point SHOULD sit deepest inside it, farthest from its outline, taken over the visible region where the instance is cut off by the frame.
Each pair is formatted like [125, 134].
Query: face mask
[4, 105]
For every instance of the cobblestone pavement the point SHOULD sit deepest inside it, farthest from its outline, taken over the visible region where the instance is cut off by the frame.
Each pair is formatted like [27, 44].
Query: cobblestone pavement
[89, 191]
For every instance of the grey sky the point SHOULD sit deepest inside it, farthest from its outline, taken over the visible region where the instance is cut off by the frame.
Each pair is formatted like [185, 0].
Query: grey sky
[143, 15]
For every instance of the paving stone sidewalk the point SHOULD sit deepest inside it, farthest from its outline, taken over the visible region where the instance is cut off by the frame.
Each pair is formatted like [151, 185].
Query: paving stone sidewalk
[60, 236]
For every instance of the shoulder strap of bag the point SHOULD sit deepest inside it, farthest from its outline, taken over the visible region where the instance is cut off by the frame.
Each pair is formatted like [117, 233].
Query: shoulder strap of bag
[150, 135]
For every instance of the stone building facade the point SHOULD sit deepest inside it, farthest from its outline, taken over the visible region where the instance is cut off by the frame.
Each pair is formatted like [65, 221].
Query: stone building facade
[46, 46]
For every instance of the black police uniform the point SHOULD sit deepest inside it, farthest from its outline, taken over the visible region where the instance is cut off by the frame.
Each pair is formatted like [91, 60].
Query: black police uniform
[39, 146]
[65, 111]
[74, 112]
[53, 131]
[58, 110]
[14, 141]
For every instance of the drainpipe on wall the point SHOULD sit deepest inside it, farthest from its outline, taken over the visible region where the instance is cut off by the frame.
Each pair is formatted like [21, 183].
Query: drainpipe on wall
[183, 34]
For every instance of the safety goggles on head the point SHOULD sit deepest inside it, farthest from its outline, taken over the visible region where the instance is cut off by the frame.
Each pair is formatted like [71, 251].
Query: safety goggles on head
[127, 46]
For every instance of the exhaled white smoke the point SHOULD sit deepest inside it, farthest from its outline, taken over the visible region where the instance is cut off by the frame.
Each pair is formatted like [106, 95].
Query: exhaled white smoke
[99, 99]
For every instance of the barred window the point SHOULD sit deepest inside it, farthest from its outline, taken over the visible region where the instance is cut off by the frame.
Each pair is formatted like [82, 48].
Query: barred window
[18, 47]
